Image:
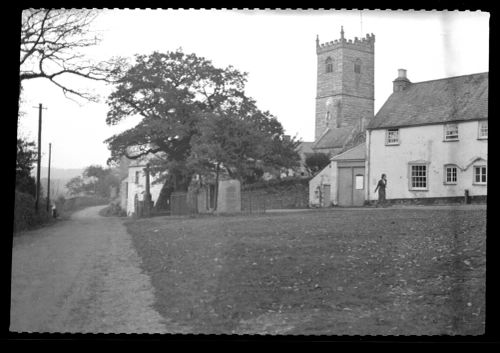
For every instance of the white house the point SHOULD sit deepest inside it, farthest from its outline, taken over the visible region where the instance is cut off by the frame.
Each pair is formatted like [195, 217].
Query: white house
[430, 139]
[133, 186]
[341, 182]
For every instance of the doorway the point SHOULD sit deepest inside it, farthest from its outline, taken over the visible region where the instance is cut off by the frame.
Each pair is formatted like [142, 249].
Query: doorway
[351, 186]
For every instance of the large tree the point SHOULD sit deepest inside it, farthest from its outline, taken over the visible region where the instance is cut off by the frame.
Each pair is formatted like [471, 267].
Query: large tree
[169, 92]
[183, 100]
[52, 44]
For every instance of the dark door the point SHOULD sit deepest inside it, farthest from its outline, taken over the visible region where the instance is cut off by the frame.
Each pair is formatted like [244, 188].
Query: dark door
[345, 186]
[325, 199]
[351, 186]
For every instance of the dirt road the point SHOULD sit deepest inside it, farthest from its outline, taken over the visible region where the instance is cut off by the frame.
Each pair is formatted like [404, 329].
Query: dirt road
[81, 275]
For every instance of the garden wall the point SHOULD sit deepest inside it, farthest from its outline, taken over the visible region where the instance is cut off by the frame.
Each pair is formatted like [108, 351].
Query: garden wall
[275, 194]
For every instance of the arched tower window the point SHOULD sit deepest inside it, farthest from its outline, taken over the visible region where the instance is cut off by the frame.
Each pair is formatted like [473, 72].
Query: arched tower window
[329, 65]
[357, 66]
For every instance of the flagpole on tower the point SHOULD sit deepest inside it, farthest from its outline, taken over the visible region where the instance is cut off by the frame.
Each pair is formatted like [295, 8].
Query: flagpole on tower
[361, 23]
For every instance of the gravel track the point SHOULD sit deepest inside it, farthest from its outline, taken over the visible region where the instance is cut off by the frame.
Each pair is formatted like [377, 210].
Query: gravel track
[81, 275]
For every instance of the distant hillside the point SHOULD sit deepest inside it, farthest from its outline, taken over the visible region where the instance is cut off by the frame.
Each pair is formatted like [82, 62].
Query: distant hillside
[58, 173]
[57, 187]
[59, 177]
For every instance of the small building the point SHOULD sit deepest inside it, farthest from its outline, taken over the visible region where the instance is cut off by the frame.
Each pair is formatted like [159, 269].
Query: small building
[431, 140]
[133, 184]
[341, 182]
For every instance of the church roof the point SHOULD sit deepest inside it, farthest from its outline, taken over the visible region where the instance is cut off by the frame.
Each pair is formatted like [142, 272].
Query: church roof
[459, 98]
[305, 147]
[357, 152]
[334, 138]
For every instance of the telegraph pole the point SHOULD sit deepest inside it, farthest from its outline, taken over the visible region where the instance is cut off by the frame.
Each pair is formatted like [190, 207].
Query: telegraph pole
[39, 159]
[48, 182]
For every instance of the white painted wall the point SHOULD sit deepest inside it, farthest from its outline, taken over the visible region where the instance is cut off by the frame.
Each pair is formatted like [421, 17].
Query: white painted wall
[140, 187]
[124, 194]
[326, 176]
[425, 143]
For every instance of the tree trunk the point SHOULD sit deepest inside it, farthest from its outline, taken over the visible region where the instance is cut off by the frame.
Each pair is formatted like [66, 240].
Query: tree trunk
[217, 186]
[163, 202]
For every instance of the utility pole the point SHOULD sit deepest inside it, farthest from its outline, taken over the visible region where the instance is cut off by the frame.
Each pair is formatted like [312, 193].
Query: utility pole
[48, 182]
[39, 159]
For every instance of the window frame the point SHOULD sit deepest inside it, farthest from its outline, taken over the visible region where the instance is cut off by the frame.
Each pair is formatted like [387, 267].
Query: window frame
[328, 116]
[357, 66]
[329, 65]
[387, 133]
[446, 181]
[446, 136]
[410, 176]
[479, 129]
[362, 182]
[480, 166]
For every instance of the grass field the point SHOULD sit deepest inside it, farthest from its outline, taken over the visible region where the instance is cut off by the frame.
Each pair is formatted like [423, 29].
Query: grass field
[355, 272]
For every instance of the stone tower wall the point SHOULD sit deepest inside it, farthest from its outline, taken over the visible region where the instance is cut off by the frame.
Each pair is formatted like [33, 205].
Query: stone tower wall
[347, 95]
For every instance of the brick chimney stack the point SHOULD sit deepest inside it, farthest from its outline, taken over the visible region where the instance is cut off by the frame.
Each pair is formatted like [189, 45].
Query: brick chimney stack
[401, 82]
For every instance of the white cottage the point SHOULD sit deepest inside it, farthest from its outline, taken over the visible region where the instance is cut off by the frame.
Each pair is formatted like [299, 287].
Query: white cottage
[133, 187]
[431, 139]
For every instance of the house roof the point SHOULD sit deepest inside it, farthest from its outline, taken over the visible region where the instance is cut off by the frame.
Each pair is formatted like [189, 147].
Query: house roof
[333, 138]
[357, 152]
[458, 98]
[305, 147]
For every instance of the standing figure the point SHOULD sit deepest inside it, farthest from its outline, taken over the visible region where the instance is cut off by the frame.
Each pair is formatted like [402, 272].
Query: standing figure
[54, 211]
[381, 185]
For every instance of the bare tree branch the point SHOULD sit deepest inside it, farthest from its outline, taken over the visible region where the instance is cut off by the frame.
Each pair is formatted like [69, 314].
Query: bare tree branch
[51, 44]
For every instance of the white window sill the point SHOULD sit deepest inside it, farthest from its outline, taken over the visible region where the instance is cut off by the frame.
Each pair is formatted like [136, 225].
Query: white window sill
[450, 183]
[392, 144]
[483, 138]
[484, 184]
[416, 189]
[451, 140]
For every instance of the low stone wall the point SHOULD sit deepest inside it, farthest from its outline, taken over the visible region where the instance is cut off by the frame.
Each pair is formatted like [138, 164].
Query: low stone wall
[456, 200]
[260, 200]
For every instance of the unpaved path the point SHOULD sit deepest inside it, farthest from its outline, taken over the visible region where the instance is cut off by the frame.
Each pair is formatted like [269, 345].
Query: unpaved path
[81, 275]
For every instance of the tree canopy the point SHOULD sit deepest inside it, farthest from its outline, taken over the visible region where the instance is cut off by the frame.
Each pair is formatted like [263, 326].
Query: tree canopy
[95, 180]
[26, 157]
[315, 162]
[196, 116]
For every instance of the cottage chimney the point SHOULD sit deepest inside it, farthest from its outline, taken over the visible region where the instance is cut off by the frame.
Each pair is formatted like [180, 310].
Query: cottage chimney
[401, 82]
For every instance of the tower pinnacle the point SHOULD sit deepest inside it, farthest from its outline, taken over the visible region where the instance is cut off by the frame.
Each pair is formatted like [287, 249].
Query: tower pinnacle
[342, 32]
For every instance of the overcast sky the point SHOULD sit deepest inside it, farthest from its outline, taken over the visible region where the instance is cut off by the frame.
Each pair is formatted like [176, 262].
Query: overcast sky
[278, 50]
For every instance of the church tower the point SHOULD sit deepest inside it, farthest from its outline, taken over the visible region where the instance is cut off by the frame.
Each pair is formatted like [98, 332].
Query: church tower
[345, 90]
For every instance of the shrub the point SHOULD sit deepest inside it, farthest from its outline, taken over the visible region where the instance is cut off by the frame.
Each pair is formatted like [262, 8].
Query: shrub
[80, 202]
[113, 210]
[25, 216]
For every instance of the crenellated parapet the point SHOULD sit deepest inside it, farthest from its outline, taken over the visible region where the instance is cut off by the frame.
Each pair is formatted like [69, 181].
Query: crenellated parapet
[366, 43]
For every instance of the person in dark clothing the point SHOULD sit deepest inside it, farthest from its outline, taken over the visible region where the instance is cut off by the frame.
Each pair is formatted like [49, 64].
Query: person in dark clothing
[382, 184]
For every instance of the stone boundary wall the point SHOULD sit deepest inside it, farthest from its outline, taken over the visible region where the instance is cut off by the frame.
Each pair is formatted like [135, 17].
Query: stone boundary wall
[262, 199]
[478, 199]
